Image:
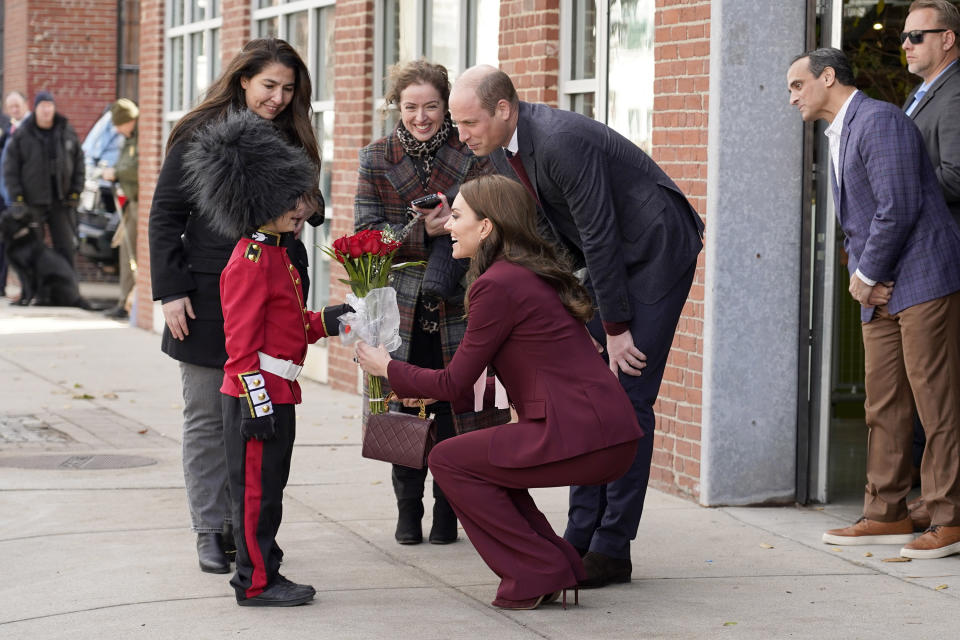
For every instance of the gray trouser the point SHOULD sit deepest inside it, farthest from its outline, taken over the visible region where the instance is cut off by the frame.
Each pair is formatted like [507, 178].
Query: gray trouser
[204, 458]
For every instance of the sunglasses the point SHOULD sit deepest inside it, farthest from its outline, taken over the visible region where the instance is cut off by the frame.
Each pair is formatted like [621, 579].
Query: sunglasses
[916, 36]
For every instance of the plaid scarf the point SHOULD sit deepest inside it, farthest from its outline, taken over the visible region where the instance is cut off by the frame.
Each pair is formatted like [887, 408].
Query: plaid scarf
[423, 153]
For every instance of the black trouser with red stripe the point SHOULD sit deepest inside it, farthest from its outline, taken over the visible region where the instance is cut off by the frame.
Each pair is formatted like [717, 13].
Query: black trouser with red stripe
[258, 472]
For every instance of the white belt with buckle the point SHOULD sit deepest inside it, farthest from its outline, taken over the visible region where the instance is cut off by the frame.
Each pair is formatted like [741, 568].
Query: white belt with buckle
[283, 368]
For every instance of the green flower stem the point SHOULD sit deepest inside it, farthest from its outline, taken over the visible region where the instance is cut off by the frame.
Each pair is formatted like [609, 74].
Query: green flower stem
[374, 391]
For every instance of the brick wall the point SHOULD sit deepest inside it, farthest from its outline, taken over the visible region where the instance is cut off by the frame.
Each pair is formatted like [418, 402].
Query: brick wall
[682, 49]
[529, 44]
[150, 143]
[71, 50]
[235, 30]
[353, 93]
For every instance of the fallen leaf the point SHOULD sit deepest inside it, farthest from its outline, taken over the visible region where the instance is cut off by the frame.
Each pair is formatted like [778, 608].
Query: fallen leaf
[764, 545]
[142, 431]
[897, 559]
[82, 396]
[729, 624]
[867, 555]
[77, 385]
[941, 587]
[110, 395]
[377, 482]
[837, 549]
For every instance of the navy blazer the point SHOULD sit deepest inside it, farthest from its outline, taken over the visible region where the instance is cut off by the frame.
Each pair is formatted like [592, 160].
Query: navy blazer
[610, 202]
[567, 400]
[891, 207]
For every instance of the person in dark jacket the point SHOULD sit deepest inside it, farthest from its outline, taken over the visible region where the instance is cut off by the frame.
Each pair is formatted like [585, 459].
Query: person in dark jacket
[43, 171]
[187, 256]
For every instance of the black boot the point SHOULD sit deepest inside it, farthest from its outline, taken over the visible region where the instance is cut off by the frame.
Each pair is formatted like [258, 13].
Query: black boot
[408, 487]
[227, 543]
[603, 570]
[408, 521]
[444, 528]
[212, 558]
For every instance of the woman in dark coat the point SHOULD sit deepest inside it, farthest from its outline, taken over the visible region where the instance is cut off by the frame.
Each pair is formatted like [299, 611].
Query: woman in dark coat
[187, 256]
[422, 156]
[527, 316]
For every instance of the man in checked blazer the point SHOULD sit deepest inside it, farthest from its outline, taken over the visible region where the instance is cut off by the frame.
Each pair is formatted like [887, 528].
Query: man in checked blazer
[931, 41]
[628, 225]
[904, 252]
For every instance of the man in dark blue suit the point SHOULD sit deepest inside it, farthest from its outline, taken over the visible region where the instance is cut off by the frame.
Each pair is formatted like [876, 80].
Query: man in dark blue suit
[624, 221]
[903, 249]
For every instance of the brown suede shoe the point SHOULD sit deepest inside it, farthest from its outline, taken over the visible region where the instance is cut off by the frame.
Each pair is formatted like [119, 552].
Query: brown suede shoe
[865, 531]
[919, 514]
[936, 542]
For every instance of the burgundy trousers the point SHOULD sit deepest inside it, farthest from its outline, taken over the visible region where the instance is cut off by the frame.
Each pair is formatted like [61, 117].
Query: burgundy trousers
[498, 515]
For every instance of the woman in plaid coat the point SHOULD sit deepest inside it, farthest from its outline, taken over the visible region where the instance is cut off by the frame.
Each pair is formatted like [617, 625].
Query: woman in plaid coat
[422, 156]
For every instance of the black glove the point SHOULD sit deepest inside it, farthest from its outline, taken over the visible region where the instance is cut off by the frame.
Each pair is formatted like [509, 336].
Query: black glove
[261, 428]
[330, 315]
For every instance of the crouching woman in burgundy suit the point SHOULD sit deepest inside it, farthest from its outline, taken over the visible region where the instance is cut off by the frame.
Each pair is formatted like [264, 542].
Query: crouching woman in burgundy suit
[576, 425]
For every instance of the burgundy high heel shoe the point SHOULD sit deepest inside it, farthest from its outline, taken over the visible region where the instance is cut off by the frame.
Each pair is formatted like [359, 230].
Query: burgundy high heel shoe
[533, 603]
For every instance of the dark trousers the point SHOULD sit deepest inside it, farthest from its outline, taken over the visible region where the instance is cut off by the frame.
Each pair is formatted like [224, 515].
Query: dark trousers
[3, 270]
[498, 515]
[258, 472]
[61, 220]
[605, 518]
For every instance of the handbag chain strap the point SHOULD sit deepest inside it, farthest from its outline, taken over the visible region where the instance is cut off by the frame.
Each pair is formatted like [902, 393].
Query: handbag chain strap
[393, 397]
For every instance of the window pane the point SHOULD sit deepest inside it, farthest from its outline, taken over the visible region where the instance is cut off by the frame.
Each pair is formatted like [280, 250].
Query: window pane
[320, 291]
[298, 31]
[323, 67]
[630, 72]
[176, 74]
[200, 65]
[215, 52]
[486, 38]
[176, 13]
[270, 3]
[444, 34]
[199, 10]
[268, 28]
[399, 33]
[583, 23]
[584, 103]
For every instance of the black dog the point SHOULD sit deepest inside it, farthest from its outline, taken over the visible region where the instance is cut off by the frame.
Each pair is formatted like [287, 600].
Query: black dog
[46, 278]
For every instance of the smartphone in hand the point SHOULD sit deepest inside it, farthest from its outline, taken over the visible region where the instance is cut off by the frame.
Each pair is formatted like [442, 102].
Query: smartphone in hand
[426, 202]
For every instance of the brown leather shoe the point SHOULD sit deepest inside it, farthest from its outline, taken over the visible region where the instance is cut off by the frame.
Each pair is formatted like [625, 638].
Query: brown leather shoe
[937, 542]
[865, 531]
[919, 514]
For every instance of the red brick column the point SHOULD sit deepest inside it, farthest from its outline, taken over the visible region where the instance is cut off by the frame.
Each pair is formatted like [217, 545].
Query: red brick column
[235, 31]
[353, 94]
[150, 143]
[681, 84]
[15, 36]
[529, 45]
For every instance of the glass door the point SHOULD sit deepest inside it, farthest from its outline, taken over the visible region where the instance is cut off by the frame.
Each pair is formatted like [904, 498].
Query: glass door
[832, 431]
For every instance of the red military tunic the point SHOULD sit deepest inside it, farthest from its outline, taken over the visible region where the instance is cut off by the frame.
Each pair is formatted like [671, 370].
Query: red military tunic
[263, 311]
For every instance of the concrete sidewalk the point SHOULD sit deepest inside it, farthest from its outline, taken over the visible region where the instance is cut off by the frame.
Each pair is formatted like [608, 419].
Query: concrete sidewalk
[94, 546]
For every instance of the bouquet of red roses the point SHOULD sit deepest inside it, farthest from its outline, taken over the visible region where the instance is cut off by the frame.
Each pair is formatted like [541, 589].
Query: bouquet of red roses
[367, 257]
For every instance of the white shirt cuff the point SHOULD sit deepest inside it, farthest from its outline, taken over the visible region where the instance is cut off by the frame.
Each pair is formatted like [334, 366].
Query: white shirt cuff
[870, 282]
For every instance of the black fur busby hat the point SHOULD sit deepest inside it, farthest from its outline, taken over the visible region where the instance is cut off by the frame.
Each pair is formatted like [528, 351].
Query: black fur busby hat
[240, 173]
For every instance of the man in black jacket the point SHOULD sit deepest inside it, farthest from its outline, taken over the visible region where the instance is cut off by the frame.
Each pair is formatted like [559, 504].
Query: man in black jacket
[43, 171]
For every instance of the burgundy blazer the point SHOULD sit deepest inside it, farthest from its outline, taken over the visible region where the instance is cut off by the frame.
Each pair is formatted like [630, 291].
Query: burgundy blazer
[568, 401]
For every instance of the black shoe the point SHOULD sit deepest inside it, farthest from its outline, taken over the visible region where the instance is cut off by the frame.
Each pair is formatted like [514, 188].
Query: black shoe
[212, 558]
[282, 593]
[227, 543]
[603, 570]
[444, 528]
[408, 521]
[118, 313]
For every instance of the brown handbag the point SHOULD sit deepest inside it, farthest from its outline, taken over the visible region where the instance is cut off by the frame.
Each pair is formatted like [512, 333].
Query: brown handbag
[399, 438]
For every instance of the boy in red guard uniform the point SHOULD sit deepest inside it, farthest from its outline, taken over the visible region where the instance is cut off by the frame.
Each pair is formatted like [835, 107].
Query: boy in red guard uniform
[249, 183]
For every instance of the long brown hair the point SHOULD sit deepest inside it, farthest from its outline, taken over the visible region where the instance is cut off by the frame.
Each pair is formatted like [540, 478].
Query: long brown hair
[226, 94]
[514, 238]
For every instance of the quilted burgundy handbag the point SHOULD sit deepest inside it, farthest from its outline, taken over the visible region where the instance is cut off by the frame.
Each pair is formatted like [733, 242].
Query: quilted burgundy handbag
[399, 438]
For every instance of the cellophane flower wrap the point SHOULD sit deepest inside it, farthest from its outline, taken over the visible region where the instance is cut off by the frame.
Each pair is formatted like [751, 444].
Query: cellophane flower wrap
[367, 257]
